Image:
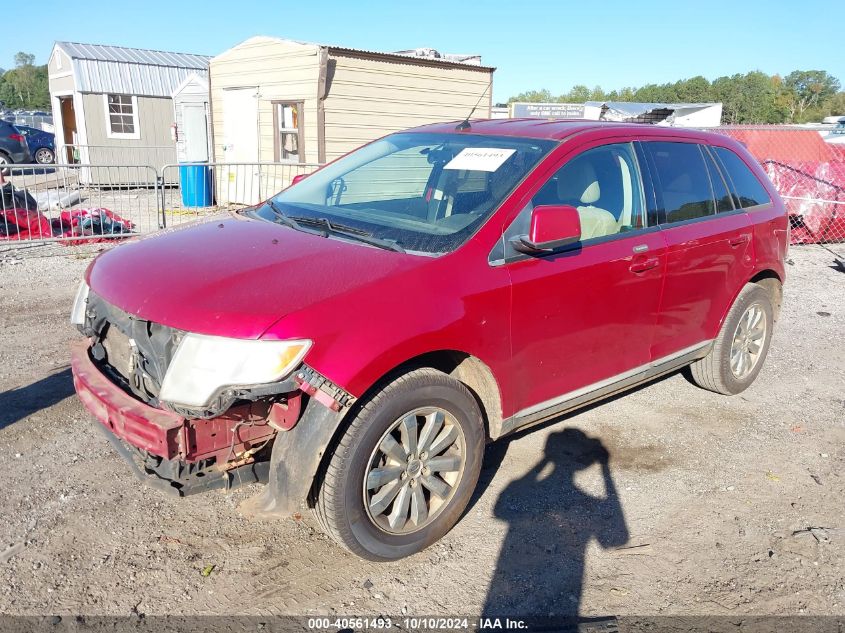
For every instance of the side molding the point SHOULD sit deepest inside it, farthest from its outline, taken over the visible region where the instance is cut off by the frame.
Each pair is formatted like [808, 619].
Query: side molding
[580, 397]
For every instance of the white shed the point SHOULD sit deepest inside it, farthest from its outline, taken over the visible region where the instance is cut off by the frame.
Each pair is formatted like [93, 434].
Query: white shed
[193, 124]
[283, 101]
[112, 104]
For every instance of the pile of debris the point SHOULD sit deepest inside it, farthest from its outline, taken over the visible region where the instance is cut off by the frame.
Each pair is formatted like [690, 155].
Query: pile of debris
[21, 219]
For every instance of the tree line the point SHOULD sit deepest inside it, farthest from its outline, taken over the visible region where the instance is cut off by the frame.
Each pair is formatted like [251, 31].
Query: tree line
[755, 97]
[25, 86]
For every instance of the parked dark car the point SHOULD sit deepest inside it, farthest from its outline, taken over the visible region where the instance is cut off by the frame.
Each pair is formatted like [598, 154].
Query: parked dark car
[13, 146]
[42, 145]
[355, 340]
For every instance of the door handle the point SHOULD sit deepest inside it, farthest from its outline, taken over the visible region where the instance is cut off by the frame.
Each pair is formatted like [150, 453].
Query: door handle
[642, 265]
[739, 240]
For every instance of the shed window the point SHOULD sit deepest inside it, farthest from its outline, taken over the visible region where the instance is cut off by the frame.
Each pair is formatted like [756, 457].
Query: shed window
[287, 121]
[122, 116]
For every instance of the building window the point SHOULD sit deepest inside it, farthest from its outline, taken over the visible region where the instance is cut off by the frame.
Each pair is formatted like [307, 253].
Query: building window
[122, 116]
[289, 136]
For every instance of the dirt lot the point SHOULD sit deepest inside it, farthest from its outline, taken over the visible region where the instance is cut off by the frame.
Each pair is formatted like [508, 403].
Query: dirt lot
[722, 505]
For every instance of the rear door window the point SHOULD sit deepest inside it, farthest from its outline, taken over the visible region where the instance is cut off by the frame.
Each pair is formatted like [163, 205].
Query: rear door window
[682, 180]
[724, 200]
[749, 192]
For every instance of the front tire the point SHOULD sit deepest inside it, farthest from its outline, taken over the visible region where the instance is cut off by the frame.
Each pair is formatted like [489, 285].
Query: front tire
[45, 156]
[404, 470]
[741, 347]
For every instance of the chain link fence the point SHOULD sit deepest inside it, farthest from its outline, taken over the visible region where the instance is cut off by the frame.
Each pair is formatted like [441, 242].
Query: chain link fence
[807, 166]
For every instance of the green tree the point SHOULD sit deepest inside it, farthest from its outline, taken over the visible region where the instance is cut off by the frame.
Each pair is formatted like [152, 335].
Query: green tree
[655, 93]
[808, 89]
[26, 85]
[533, 96]
[597, 94]
[694, 90]
[836, 105]
[753, 97]
[626, 94]
[24, 59]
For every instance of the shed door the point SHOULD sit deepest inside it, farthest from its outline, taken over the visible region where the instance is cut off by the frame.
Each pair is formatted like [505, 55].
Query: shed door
[68, 123]
[195, 130]
[240, 137]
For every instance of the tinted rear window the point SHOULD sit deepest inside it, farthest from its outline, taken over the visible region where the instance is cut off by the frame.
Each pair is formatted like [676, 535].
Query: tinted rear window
[683, 180]
[748, 189]
[720, 188]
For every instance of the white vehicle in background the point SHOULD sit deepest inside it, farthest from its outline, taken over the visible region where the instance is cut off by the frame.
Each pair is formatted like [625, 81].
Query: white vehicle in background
[836, 134]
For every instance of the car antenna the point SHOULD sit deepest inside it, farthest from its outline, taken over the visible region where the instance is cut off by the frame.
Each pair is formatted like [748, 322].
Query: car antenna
[465, 124]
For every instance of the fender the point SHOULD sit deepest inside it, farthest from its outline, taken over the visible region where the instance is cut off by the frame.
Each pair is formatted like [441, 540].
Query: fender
[756, 276]
[294, 463]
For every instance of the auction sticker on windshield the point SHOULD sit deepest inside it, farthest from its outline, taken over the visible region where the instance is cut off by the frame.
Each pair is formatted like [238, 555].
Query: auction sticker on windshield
[479, 159]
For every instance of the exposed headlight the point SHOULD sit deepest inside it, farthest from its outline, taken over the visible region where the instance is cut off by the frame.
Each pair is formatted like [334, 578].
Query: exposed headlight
[202, 365]
[77, 314]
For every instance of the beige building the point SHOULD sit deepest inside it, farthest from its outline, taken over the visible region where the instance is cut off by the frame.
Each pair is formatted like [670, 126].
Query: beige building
[112, 105]
[281, 101]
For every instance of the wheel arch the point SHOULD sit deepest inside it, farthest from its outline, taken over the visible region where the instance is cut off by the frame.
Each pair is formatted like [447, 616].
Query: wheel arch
[773, 284]
[468, 369]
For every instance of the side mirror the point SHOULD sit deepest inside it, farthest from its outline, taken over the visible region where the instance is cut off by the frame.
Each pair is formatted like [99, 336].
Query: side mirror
[552, 226]
[297, 178]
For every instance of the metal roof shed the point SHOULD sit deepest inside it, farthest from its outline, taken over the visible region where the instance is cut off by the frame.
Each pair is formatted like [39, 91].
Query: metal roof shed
[281, 100]
[191, 115]
[113, 105]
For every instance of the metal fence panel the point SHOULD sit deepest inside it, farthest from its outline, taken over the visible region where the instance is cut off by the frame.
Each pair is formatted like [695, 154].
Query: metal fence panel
[197, 190]
[78, 203]
[116, 154]
[38, 121]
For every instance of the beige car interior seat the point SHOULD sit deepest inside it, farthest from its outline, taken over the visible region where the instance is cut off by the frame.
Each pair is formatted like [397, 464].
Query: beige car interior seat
[581, 184]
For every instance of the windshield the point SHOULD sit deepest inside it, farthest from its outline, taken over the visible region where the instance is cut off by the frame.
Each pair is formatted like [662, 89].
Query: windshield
[424, 192]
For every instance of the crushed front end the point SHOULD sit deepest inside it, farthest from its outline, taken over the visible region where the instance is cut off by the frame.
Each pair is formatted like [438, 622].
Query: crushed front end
[118, 373]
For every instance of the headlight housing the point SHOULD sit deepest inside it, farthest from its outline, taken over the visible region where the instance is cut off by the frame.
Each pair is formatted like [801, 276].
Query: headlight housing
[80, 303]
[203, 365]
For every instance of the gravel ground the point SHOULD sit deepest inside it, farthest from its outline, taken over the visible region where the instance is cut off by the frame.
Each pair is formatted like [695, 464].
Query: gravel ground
[725, 505]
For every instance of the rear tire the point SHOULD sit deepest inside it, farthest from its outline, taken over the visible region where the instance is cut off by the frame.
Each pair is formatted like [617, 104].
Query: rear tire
[5, 161]
[741, 347]
[404, 470]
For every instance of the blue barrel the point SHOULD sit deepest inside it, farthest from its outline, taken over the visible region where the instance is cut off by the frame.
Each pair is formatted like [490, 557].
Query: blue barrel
[196, 184]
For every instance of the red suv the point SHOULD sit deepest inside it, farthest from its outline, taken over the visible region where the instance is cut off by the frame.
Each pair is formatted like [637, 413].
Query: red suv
[355, 340]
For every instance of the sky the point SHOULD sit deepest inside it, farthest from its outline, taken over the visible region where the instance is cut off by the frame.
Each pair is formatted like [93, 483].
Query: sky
[534, 45]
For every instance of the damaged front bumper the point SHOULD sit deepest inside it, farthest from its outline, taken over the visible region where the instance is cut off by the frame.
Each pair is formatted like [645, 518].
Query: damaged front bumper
[177, 454]
[182, 455]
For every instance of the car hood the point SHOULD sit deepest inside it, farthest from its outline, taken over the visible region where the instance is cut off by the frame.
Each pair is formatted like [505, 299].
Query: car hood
[235, 276]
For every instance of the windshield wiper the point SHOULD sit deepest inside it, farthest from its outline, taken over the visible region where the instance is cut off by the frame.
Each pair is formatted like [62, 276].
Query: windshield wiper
[349, 231]
[286, 220]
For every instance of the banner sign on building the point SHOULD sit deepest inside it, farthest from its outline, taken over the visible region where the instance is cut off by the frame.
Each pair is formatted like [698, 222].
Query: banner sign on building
[547, 110]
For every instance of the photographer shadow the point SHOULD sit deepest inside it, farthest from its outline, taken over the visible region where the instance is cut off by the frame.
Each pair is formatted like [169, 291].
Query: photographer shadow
[540, 570]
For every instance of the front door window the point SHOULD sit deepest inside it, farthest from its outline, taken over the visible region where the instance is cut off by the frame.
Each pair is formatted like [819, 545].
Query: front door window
[586, 314]
[603, 184]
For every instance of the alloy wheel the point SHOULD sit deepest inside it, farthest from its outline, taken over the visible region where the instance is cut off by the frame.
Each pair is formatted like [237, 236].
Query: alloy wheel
[414, 470]
[43, 156]
[748, 340]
